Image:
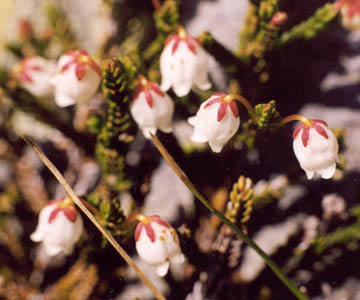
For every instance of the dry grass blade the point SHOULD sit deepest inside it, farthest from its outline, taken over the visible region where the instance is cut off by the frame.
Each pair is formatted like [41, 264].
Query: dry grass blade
[106, 234]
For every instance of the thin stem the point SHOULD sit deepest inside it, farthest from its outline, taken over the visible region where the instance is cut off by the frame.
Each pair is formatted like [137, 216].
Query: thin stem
[299, 295]
[246, 103]
[291, 118]
[97, 224]
[156, 4]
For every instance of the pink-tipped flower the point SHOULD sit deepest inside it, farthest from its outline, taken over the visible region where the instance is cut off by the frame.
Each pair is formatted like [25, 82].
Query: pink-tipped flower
[183, 63]
[151, 108]
[59, 227]
[34, 73]
[77, 79]
[316, 149]
[216, 121]
[350, 13]
[157, 243]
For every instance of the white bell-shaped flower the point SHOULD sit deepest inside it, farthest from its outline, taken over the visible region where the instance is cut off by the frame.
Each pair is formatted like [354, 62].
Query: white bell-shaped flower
[183, 63]
[316, 149]
[34, 75]
[77, 78]
[151, 108]
[216, 121]
[59, 227]
[157, 243]
[350, 13]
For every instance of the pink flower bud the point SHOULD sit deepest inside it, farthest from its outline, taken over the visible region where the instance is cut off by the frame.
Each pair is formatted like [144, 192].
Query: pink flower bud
[279, 18]
[350, 13]
[25, 28]
[216, 121]
[157, 243]
[316, 149]
[34, 73]
[77, 79]
[151, 108]
[59, 228]
[183, 63]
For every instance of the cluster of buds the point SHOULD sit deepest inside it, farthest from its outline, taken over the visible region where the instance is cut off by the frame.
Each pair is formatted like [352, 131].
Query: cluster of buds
[157, 243]
[59, 228]
[183, 63]
[151, 108]
[77, 78]
[350, 13]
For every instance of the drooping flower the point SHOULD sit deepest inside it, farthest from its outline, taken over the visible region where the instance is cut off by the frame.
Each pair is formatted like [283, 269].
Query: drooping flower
[34, 73]
[59, 227]
[157, 243]
[350, 13]
[216, 121]
[316, 149]
[77, 79]
[151, 108]
[183, 63]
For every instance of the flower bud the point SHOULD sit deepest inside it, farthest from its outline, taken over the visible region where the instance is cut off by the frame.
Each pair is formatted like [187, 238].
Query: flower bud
[151, 108]
[77, 79]
[25, 29]
[59, 228]
[350, 13]
[183, 63]
[316, 149]
[216, 121]
[157, 243]
[279, 18]
[34, 73]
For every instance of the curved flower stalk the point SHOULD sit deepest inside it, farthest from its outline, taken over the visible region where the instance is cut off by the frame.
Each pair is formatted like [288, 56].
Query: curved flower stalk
[157, 243]
[77, 79]
[350, 13]
[151, 108]
[183, 63]
[59, 228]
[217, 120]
[34, 73]
[315, 146]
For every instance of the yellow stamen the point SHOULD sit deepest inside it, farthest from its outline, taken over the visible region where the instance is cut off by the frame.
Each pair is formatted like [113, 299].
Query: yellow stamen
[182, 32]
[143, 219]
[84, 59]
[66, 202]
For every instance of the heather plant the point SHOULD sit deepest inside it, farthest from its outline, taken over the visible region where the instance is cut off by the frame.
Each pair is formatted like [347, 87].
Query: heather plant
[131, 171]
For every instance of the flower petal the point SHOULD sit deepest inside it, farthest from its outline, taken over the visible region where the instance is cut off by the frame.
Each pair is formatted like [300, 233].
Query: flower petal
[150, 232]
[80, 70]
[53, 214]
[320, 131]
[222, 111]
[70, 213]
[149, 98]
[139, 228]
[305, 135]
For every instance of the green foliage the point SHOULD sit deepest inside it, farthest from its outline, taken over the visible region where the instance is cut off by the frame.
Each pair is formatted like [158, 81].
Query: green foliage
[166, 21]
[310, 27]
[268, 117]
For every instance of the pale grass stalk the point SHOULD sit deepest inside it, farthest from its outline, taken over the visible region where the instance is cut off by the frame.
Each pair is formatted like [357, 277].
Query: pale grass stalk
[97, 224]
